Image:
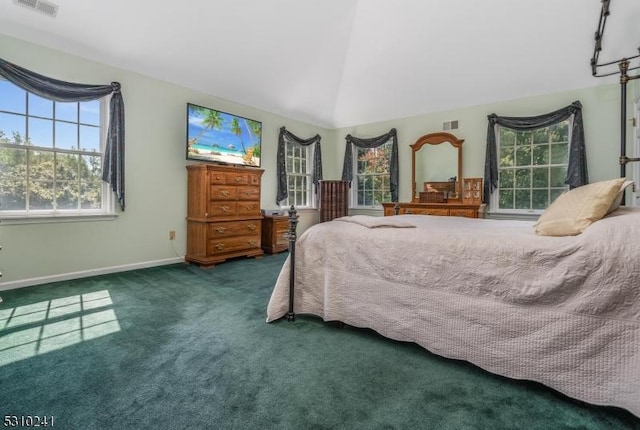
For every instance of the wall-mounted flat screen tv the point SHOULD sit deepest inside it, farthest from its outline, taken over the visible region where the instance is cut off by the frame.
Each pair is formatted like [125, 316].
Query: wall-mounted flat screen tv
[221, 137]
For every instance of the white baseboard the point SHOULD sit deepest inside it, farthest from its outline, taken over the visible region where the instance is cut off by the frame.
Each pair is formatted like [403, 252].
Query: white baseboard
[87, 273]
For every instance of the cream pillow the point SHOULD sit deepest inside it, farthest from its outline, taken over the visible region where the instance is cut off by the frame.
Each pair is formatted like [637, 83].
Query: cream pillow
[573, 211]
[616, 202]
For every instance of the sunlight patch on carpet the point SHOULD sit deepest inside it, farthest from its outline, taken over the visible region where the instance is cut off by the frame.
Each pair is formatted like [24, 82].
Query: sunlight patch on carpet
[38, 328]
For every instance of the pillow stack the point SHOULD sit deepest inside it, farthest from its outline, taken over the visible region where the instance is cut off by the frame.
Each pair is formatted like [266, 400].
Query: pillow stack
[575, 210]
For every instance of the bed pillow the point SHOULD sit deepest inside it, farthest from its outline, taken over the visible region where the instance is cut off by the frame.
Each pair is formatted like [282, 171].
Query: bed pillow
[575, 210]
[616, 202]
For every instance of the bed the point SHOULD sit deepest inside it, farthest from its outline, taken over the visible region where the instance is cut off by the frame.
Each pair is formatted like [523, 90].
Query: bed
[562, 311]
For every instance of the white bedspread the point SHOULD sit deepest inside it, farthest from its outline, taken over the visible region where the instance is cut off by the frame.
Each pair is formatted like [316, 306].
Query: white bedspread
[563, 311]
[377, 221]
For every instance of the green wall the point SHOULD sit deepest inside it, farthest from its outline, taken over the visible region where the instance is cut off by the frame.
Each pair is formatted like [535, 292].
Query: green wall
[156, 176]
[601, 115]
[155, 116]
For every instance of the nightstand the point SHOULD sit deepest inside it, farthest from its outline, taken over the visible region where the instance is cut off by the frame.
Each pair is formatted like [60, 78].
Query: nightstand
[274, 233]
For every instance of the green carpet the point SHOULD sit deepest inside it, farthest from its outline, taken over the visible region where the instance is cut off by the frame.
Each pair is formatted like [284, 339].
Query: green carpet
[179, 347]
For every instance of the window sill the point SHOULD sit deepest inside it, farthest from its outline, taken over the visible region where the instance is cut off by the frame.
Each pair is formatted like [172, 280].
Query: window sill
[513, 216]
[366, 210]
[47, 219]
[285, 210]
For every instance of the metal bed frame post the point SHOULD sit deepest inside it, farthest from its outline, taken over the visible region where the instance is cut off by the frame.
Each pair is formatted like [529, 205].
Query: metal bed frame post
[624, 67]
[293, 223]
[624, 79]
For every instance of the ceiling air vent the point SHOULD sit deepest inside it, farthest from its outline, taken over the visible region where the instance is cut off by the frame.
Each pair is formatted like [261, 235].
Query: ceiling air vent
[42, 6]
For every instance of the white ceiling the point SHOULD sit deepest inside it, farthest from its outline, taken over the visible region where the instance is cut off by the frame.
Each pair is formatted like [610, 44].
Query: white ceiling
[337, 63]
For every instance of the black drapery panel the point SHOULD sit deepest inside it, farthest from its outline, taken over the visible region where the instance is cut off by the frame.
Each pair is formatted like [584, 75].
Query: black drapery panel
[288, 137]
[53, 89]
[577, 168]
[373, 142]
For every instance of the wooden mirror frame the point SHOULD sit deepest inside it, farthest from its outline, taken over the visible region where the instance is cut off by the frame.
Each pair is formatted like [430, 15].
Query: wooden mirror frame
[436, 139]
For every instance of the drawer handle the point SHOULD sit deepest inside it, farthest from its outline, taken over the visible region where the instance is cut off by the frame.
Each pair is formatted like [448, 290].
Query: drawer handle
[249, 193]
[237, 179]
[249, 207]
[251, 226]
[252, 242]
[218, 177]
[221, 229]
[206, 214]
[225, 193]
[225, 208]
[219, 246]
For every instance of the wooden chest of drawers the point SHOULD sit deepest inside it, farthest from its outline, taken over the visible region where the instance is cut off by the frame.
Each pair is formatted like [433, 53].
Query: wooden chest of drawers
[223, 213]
[438, 209]
[275, 229]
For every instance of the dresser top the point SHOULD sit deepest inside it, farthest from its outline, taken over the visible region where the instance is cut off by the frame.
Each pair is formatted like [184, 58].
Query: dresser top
[224, 168]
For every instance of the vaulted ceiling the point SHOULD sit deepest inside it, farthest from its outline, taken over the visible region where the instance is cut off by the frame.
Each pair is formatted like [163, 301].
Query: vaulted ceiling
[336, 63]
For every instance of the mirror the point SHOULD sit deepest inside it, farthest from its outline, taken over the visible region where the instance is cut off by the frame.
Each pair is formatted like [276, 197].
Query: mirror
[436, 157]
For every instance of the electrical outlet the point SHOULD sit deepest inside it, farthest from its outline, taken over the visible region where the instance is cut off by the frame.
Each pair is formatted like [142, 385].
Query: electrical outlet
[172, 235]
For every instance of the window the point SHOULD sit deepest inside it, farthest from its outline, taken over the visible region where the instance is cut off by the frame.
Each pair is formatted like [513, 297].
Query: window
[532, 167]
[299, 176]
[373, 177]
[51, 156]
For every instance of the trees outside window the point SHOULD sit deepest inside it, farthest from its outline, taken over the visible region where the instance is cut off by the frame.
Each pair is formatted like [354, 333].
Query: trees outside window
[51, 154]
[532, 167]
[373, 175]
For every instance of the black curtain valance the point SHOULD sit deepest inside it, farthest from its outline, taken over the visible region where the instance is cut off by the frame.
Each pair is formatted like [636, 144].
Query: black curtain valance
[53, 89]
[373, 142]
[577, 168]
[286, 137]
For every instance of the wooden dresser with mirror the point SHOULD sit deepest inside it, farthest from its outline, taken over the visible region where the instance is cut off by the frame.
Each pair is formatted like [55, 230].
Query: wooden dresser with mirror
[437, 185]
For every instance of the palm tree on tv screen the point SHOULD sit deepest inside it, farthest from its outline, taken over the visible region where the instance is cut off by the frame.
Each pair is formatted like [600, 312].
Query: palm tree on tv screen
[211, 121]
[255, 130]
[235, 129]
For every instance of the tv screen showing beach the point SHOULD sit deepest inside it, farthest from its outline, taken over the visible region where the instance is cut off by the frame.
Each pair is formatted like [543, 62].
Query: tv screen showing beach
[221, 137]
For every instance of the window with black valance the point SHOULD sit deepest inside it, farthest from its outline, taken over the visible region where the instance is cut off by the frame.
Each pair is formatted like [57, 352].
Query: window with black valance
[577, 158]
[60, 91]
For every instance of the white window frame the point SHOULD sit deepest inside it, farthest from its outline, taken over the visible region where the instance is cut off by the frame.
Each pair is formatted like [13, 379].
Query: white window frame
[309, 190]
[354, 183]
[107, 210]
[495, 195]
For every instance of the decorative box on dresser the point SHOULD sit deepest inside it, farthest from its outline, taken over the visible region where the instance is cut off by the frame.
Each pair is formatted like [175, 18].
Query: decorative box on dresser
[223, 213]
[275, 229]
